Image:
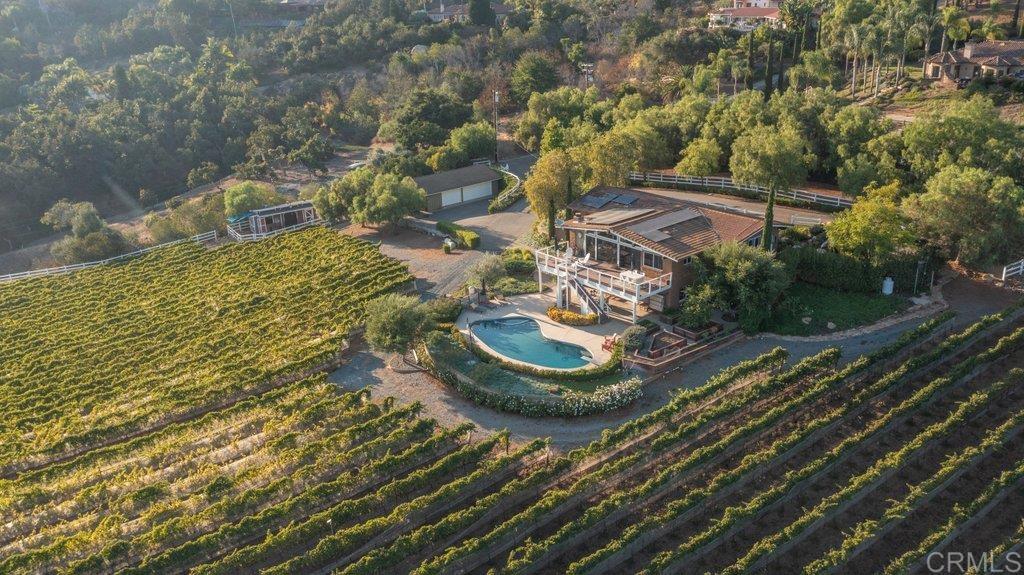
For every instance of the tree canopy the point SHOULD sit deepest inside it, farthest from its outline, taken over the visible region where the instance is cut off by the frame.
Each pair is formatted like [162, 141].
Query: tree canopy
[394, 321]
[977, 217]
[248, 196]
[744, 278]
[874, 228]
[387, 201]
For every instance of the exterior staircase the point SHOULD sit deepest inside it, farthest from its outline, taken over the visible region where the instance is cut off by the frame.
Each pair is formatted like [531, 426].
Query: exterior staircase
[587, 301]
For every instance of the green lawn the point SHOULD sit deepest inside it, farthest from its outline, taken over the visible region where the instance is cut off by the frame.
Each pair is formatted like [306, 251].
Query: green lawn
[822, 305]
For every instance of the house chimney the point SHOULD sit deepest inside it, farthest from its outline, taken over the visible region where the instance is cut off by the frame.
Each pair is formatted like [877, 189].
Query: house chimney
[969, 50]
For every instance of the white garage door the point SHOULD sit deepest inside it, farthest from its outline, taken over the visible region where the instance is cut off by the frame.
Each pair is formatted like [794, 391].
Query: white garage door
[476, 192]
[451, 197]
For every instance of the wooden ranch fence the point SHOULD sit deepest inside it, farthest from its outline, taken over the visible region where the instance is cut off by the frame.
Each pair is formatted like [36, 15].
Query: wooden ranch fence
[810, 197]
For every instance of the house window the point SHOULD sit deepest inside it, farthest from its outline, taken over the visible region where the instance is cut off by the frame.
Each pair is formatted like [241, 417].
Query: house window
[653, 260]
[687, 260]
[628, 257]
[754, 241]
[935, 70]
[606, 251]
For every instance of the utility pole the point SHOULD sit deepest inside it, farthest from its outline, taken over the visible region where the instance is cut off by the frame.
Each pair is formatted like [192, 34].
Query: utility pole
[497, 98]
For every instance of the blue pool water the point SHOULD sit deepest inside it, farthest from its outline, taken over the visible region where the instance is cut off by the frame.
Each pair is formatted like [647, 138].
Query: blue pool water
[519, 338]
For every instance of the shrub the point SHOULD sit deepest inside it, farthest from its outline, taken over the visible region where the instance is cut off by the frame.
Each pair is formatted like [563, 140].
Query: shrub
[468, 239]
[633, 337]
[464, 237]
[701, 300]
[446, 248]
[512, 194]
[443, 309]
[519, 261]
[511, 286]
[571, 404]
[567, 317]
[844, 273]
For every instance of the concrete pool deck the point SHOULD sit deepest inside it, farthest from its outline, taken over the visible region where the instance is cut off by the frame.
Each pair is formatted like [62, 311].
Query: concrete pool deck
[535, 306]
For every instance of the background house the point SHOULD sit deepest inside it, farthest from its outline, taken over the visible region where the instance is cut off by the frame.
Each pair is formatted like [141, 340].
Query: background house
[989, 58]
[460, 186]
[460, 12]
[746, 15]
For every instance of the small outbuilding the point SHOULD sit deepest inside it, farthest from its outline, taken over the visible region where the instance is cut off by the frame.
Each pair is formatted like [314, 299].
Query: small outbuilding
[267, 221]
[460, 186]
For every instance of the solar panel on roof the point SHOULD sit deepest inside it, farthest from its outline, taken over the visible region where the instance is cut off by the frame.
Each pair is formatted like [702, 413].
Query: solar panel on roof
[595, 202]
[615, 215]
[625, 199]
[651, 229]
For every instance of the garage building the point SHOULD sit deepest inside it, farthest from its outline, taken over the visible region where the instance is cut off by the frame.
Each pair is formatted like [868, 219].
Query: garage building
[455, 187]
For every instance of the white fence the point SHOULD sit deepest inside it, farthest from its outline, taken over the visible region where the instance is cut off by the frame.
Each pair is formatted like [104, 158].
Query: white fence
[1014, 269]
[251, 237]
[728, 184]
[207, 237]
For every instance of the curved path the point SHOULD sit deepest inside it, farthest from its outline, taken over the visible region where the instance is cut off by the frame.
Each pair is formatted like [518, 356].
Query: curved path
[365, 369]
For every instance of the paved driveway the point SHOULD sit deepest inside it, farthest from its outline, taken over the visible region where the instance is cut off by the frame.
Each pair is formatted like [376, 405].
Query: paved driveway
[439, 273]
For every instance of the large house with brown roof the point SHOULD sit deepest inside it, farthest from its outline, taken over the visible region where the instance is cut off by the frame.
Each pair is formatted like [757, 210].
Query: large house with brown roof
[633, 248]
[989, 58]
[746, 15]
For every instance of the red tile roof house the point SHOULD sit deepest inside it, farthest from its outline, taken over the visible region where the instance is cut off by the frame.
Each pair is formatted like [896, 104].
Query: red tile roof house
[635, 248]
[746, 15]
[992, 58]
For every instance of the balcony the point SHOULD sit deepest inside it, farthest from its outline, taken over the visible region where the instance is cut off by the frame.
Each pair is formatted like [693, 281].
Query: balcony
[625, 284]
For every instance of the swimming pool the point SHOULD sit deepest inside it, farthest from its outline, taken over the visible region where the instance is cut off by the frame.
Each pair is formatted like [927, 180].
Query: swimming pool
[519, 338]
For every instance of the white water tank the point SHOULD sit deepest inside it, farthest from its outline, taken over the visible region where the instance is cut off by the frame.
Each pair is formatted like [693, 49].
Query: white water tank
[887, 286]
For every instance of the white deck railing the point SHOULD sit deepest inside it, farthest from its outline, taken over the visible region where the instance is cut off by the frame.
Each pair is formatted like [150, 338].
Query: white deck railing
[239, 236]
[206, 237]
[834, 201]
[553, 263]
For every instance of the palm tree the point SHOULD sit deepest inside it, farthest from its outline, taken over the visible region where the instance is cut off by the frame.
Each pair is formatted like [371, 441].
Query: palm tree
[989, 30]
[952, 17]
[959, 32]
[925, 25]
[853, 42]
[1015, 26]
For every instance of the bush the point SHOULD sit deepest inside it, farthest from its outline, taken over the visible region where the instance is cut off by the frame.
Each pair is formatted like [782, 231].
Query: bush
[512, 286]
[633, 338]
[505, 199]
[443, 309]
[519, 261]
[567, 317]
[464, 237]
[844, 273]
[468, 239]
[701, 301]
